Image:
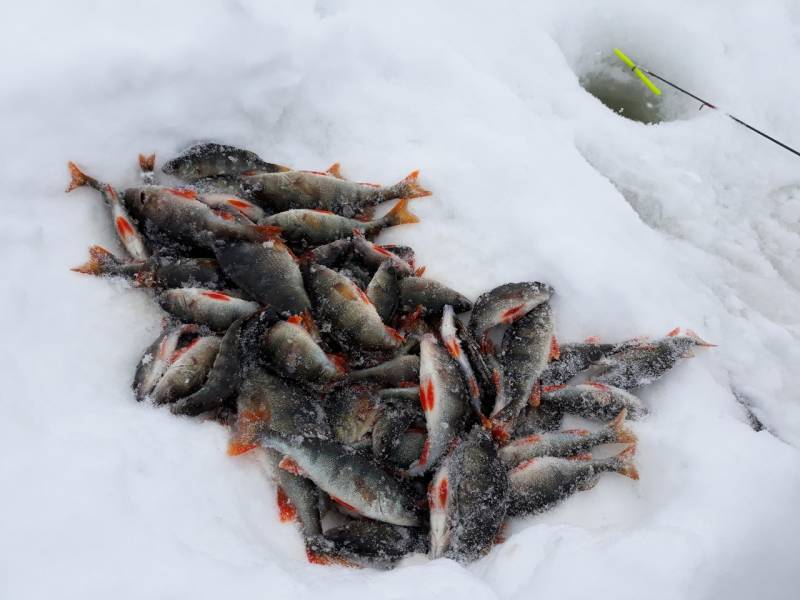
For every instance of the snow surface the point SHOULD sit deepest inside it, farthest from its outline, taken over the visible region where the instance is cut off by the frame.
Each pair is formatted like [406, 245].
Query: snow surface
[692, 222]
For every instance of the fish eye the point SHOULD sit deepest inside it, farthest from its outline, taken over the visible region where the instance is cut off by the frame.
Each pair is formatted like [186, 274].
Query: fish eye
[142, 197]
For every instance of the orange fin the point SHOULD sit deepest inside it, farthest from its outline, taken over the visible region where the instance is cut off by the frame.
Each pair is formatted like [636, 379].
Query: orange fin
[269, 232]
[336, 170]
[592, 339]
[627, 467]
[147, 162]
[409, 188]
[555, 350]
[674, 332]
[79, 178]
[418, 272]
[99, 260]
[535, 399]
[581, 457]
[400, 215]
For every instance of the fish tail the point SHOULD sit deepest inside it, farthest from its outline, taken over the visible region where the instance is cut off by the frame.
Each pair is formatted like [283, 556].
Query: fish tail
[624, 463]
[409, 188]
[400, 215]
[622, 435]
[80, 179]
[100, 262]
[147, 163]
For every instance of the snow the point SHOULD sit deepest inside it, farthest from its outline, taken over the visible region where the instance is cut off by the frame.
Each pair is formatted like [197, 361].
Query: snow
[691, 222]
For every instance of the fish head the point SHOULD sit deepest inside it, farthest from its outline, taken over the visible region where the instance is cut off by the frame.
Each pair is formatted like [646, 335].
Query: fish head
[136, 198]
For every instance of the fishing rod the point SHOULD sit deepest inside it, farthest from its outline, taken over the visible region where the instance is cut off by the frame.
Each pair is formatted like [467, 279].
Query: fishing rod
[640, 73]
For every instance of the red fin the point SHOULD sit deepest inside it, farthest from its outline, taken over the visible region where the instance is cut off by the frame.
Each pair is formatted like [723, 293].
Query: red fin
[295, 320]
[486, 422]
[124, 228]
[535, 399]
[555, 351]
[501, 536]
[553, 388]
[500, 433]
[474, 389]
[418, 272]
[522, 466]
[216, 296]
[442, 495]
[512, 314]
[394, 334]
[240, 204]
[408, 321]
[674, 332]
[531, 439]
[286, 510]
[183, 193]
[317, 558]
[339, 361]
[487, 345]
[344, 504]
[147, 163]
[409, 188]
[288, 464]
[235, 447]
[423, 455]
[427, 395]
[592, 339]
[496, 379]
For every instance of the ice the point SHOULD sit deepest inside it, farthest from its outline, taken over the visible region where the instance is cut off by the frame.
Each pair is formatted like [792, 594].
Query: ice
[639, 228]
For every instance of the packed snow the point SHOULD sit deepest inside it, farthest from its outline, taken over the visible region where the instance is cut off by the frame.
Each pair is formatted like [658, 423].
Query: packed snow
[690, 222]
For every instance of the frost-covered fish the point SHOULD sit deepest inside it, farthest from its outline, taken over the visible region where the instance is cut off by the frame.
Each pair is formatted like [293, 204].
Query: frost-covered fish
[315, 227]
[292, 352]
[468, 499]
[431, 295]
[592, 400]
[398, 370]
[641, 362]
[266, 401]
[353, 412]
[374, 255]
[223, 379]
[566, 443]
[443, 397]
[297, 498]
[188, 370]
[574, 358]
[539, 483]
[179, 213]
[212, 159]
[453, 344]
[126, 229]
[303, 189]
[351, 479]
[351, 315]
[154, 272]
[157, 358]
[364, 543]
[268, 272]
[395, 417]
[214, 309]
[384, 290]
[528, 345]
[506, 304]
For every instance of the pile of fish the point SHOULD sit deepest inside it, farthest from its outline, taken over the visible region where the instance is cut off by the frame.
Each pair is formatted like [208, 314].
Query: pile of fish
[394, 422]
